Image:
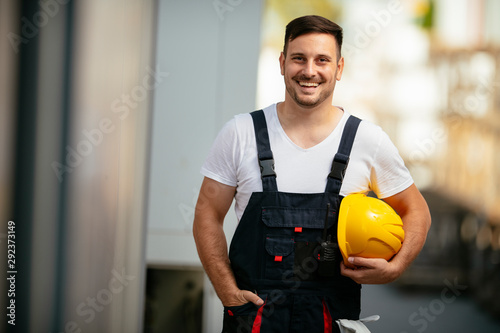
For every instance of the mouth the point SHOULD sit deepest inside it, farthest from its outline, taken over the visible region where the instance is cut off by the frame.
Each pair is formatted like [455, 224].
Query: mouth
[308, 84]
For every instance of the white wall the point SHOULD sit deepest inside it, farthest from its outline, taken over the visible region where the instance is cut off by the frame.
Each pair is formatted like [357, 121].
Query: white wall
[211, 61]
[210, 50]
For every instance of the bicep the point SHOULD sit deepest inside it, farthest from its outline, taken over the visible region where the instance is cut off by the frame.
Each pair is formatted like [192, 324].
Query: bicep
[214, 200]
[410, 202]
[388, 174]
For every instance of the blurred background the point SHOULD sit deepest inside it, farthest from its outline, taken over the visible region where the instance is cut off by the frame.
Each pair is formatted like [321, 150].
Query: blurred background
[108, 109]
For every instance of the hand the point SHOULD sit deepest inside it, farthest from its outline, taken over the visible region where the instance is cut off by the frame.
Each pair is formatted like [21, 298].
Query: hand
[370, 270]
[242, 297]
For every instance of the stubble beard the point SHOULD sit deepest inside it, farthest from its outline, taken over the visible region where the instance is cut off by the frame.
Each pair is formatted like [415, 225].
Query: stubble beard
[307, 101]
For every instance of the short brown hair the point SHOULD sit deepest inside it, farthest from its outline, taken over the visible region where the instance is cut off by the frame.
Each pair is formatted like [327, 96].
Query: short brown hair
[312, 23]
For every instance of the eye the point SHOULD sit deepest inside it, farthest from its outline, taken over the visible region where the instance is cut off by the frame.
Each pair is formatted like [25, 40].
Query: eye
[297, 58]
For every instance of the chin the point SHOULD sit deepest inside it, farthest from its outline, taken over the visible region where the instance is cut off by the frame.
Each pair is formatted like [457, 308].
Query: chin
[308, 103]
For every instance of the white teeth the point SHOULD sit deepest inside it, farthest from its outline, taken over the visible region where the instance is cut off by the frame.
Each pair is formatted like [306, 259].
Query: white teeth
[308, 84]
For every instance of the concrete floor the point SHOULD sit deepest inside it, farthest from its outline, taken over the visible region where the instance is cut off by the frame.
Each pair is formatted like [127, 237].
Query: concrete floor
[444, 310]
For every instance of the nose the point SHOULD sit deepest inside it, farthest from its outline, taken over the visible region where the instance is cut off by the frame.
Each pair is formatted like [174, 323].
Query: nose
[309, 69]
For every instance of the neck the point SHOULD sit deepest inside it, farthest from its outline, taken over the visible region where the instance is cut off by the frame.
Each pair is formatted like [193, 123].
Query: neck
[292, 113]
[307, 127]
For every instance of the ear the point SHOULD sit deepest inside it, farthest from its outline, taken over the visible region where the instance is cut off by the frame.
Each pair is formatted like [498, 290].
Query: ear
[340, 68]
[282, 63]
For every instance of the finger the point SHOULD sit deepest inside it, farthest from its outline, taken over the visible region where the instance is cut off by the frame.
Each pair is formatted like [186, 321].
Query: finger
[363, 262]
[251, 297]
[345, 271]
[350, 273]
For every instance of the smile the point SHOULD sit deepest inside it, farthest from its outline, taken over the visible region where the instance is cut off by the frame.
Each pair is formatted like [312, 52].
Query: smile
[308, 84]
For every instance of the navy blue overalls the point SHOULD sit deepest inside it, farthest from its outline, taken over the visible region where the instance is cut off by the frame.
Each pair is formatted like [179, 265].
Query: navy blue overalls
[277, 251]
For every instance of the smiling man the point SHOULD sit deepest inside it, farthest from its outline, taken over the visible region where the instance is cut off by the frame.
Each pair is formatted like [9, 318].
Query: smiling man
[311, 69]
[288, 167]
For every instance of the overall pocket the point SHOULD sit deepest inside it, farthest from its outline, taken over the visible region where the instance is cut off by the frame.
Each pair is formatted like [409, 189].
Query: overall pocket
[293, 238]
[279, 259]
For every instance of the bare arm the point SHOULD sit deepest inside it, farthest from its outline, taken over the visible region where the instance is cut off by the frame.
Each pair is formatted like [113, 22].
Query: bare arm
[212, 206]
[413, 210]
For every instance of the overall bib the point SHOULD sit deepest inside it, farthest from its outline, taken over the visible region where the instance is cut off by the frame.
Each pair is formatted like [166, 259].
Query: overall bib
[285, 249]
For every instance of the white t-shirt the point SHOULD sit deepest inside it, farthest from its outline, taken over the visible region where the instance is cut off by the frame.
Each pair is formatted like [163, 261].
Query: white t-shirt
[375, 163]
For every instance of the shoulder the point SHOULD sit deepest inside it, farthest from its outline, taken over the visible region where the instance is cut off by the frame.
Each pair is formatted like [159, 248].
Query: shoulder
[243, 123]
[373, 143]
[246, 118]
[369, 129]
[236, 126]
[369, 134]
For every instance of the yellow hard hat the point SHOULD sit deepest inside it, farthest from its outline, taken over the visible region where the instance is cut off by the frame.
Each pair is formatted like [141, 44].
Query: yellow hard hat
[369, 228]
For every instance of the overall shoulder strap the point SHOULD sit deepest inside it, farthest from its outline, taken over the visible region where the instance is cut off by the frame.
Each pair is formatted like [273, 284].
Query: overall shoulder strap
[341, 158]
[266, 161]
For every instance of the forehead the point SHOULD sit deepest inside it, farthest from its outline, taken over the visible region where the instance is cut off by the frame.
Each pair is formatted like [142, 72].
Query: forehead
[313, 43]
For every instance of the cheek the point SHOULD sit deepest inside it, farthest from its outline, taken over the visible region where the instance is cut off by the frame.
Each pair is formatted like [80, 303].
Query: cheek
[333, 75]
[286, 70]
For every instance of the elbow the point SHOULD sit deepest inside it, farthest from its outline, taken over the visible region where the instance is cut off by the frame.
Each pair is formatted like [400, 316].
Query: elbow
[193, 229]
[196, 227]
[429, 221]
[427, 218]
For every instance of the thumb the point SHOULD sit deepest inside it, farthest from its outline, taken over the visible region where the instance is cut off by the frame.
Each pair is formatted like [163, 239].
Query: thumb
[251, 297]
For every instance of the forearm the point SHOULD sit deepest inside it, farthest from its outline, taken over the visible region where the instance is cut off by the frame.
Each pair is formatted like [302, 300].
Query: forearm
[212, 250]
[212, 206]
[416, 225]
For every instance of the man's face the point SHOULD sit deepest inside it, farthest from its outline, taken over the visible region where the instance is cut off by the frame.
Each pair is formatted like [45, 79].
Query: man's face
[311, 69]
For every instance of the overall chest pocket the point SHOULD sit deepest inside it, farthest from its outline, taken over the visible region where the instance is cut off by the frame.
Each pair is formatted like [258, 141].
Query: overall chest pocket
[293, 238]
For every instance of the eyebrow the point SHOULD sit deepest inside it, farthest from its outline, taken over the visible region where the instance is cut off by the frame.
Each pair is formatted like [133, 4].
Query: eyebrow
[319, 55]
[325, 56]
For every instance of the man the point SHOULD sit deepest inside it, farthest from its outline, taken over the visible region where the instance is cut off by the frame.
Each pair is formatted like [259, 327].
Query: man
[276, 164]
